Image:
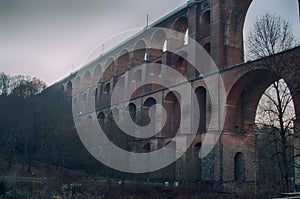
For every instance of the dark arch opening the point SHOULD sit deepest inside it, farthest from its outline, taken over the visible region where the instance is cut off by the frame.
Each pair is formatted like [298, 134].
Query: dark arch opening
[157, 44]
[69, 89]
[172, 106]
[239, 167]
[201, 98]
[207, 47]
[181, 26]
[86, 81]
[205, 23]
[122, 62]
[109, 69]
[132, 111]
[139, 53]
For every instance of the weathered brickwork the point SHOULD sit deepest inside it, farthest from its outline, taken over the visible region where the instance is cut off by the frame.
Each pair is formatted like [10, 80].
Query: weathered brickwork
[218, 27]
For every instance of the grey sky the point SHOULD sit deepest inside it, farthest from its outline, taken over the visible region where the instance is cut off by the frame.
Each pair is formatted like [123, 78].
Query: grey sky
[45, 38]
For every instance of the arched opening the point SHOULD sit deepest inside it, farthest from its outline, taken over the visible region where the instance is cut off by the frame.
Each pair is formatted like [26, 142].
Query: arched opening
[158, 40]
[270, 139]
[239, 167]
[146, 112]
[96, 75]
[243, 99]
[77, 84]
[84, 99]
[139, 53]
[207, 47]
[205, 24]
[123, 61]
[196, 166]
[109, 69]
[86, 81]
[180, 39]
[172, 106]
[201, 98]
[274, 128]
[69, 89]
[132, 111]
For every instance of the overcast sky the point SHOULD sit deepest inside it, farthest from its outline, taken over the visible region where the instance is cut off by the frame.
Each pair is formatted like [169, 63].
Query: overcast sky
[49, 38]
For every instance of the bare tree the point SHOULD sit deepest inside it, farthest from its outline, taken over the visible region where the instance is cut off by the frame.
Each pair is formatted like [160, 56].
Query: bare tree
[275, 112]
[269, 35]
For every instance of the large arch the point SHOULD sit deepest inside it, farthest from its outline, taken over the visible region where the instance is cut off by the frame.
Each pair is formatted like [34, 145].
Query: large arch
[122, 62]
[157, 44]
[243, 99]
[181, 25]
[86, 81]
[69, 89]
[139, 52]
[109, 69]
[97, 75]
[171, 104]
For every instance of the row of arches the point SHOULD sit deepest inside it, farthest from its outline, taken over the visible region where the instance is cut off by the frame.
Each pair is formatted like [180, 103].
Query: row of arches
[144, 51]
[171, 103]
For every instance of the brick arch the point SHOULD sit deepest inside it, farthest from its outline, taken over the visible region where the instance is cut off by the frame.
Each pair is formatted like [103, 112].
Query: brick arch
[171, 104]
[205, 23]
[97, 73]
[109, 69]
[181, 25]
[157, 43]
[236, 15]
[122, 61]
[139, 52]
[86, 81]
[69, 89]
[243, 98]
[77, 84]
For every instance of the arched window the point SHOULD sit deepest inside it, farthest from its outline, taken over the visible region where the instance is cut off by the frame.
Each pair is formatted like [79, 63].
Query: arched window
[139, 53]
[205, 23]
[158, 41]
[172, 106]
[180, 39]
[109, 69]
[146, 111]
[69, 89]
[132, 111]
[86, 81]
[122, 62]
[207, 47]
[201, 98]
[239, 167]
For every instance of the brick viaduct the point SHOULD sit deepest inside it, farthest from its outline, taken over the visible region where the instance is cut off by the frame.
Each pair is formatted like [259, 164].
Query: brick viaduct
[218, 27]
